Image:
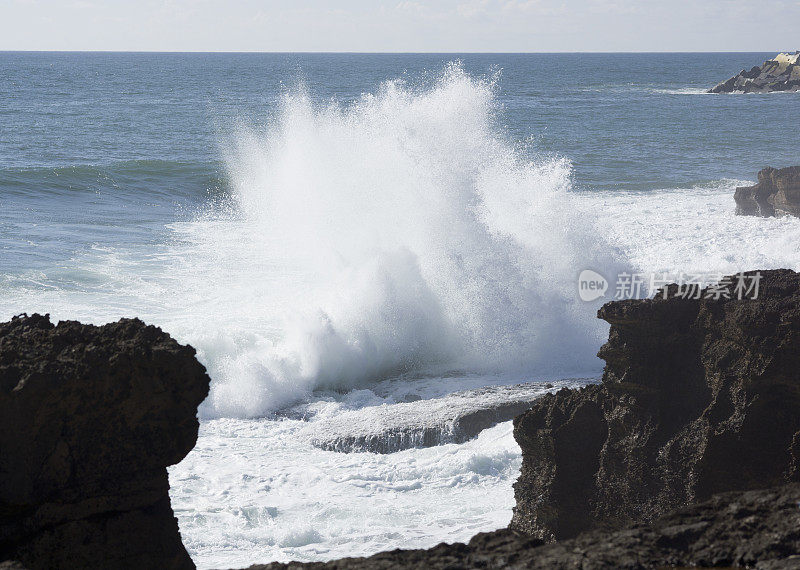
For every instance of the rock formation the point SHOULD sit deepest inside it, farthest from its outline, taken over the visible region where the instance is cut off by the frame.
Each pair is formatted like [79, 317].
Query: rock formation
[90, 417]
[782, 73]
[454, 418]
[746, 529]
[699, 396]
[777, 193]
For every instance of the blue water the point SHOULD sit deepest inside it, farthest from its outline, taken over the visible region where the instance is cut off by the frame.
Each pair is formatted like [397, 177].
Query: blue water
[617, 116]
[106, 152]
[132, 140]
[352, 233]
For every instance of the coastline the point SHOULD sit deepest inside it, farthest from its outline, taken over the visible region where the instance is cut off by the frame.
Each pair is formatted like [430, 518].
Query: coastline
[715, 368]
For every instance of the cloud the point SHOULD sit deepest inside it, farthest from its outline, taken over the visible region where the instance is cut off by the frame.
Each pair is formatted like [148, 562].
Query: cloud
[527, 8]
[401, 25]
[620, 7]
[472, 9]
[412, 7]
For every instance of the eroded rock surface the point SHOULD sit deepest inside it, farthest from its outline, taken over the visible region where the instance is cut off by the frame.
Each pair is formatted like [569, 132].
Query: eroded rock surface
[781, 73]
[698, 396]
[90, 417]
[454, 418]
[777, 193]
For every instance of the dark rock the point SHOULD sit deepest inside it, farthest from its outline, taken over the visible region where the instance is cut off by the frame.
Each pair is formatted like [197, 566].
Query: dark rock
[777, 193]
[755, 529]
[782, 73]
[454, 418]
[699, 396]
[90, 417]
[381, 438]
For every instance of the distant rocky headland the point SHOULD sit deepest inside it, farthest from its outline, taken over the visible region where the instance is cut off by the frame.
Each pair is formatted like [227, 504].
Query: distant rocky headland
[686, 454]
[781, 73]
[777, 193]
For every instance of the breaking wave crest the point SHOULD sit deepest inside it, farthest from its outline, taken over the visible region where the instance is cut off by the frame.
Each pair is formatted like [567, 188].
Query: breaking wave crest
[400, 234]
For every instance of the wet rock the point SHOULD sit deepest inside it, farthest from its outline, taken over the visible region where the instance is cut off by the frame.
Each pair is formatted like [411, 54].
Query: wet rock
[782, 73]
[777, 193]
[698, 396]
[454, 418]
[90, 417]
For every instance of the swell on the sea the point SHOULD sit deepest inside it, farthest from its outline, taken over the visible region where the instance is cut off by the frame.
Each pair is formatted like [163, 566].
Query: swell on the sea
[135, 180]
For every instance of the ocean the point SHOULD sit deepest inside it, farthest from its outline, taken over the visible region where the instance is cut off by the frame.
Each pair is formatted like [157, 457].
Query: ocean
[365, 245]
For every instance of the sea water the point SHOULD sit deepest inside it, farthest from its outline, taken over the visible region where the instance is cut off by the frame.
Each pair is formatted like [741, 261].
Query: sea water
[361, 236]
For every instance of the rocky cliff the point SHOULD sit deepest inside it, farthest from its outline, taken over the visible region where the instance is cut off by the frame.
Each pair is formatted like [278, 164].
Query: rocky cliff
[777, 193]
[90, 417]
[781, 73]
[699, 396]
[738, 530]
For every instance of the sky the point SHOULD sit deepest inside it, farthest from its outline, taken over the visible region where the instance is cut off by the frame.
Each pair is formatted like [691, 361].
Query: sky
[401, 25]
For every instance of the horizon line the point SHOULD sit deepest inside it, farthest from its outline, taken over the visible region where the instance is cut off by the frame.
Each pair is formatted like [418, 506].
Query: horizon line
[114, 51]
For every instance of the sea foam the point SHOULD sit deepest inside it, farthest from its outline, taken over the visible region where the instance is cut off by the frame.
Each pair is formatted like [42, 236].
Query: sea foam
[397, 234]
[401, 234]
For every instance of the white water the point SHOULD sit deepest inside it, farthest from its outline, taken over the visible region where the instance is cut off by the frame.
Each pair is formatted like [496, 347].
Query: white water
[400, 235]
[258, 490]
[421, 240]
[251, 492]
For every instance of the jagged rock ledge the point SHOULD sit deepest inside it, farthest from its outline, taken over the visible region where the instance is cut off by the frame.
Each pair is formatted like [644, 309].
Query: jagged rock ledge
[777, 193]
[781, 73]
[743, 530]
[698, 396]
[454, 418]
[90, 417]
